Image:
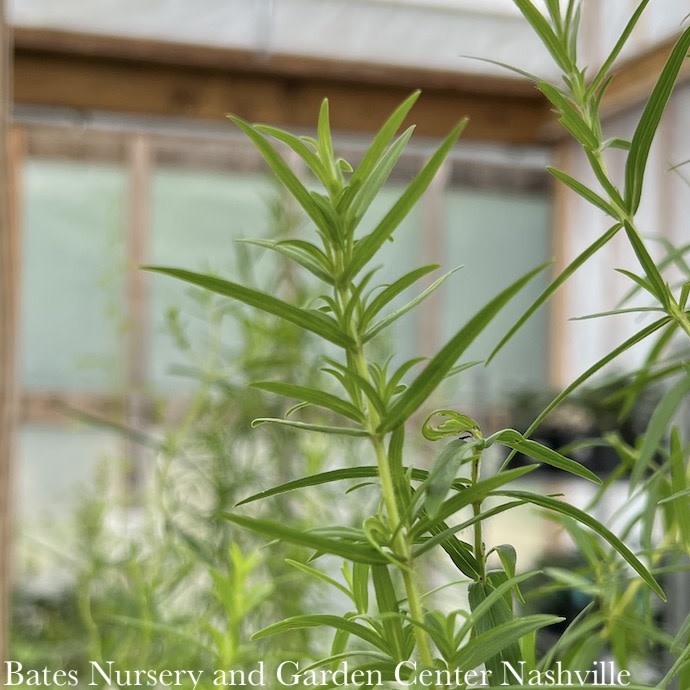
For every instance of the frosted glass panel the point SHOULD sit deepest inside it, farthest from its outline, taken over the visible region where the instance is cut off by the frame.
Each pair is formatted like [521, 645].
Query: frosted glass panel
[197, 217]
[72, 276]
[497, 238]
[54, 480]
[395, 259]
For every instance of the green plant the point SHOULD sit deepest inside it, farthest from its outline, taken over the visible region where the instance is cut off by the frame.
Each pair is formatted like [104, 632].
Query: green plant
[395, 633]
[658, 459]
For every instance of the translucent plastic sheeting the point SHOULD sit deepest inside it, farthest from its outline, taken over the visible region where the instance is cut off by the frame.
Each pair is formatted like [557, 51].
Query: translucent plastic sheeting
[72, 276]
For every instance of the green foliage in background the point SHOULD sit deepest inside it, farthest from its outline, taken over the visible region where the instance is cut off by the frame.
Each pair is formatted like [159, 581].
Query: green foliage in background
[167, 583]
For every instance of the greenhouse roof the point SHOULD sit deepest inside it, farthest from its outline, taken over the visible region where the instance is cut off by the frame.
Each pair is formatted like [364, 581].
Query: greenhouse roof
[432, 34]
[276, 59]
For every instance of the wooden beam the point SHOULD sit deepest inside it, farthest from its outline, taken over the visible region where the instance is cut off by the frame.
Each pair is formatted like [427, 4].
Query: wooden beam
[138, 307]
[561, 208]
[232, 152]
[431, 249]
[92, 73]
[9, 304]
[88, 72]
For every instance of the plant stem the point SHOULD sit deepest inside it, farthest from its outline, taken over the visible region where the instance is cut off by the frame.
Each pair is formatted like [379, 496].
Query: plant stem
[476, 510]
[402, 549]
[401, 546]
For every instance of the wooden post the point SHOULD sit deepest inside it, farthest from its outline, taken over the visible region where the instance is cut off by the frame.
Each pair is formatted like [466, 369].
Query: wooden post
[8, 327]
[432, 247]
[140, 163]
[559, 347]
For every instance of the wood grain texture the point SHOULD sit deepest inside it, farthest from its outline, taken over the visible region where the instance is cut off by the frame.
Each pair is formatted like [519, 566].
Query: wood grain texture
[10, 154]
[86, 72]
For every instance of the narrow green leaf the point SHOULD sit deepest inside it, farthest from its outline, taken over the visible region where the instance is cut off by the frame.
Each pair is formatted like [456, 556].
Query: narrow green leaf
[639, 281]
[333, 229]
[394, 316]
[452, 456]
[368, 191]
[674, 497]
[596, 163]
[365, 472]
[618, 312]
[442, 532]
[354, 384]
[462, 556]
[360, 586]
[571, 30]
[504, 65]
[654, 278]
[586, 519]
[401, 479]
[369, 245]
[470, 494]
[437, 368]
[284, 174]
[620, 43]
[313, 396]
[300, 148]
[673, 255]
[391, 619]
[554, 8]
[515, 440]
[616, 143]
[319, 576]
[400, 372]
[679, 484]
[377, 149]
[584, 191]
[488, 644]
[391, 291]
[318, 620]
[641, 142]
[624, 347]
[680, 668]
[483, 604]
[304, 426]
[508, 558]
[497, 612]
[557, 282]
[310, 320]
[463, 367]
[650, 370]
[545, 33]
[325, 148]
[304, 253]
[358, 552]
[570, 118]
[658, 426]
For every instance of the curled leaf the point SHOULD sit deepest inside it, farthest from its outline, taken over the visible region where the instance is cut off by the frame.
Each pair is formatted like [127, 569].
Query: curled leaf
[456, 424]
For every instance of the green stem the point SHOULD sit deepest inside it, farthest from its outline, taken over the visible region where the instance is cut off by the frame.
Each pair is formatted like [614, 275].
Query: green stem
[403, 550]
[401, 545]
[476, 511]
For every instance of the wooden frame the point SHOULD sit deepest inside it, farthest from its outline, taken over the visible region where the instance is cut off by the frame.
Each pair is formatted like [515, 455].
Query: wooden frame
[88, 73]
[9, 306]
[12, 153]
